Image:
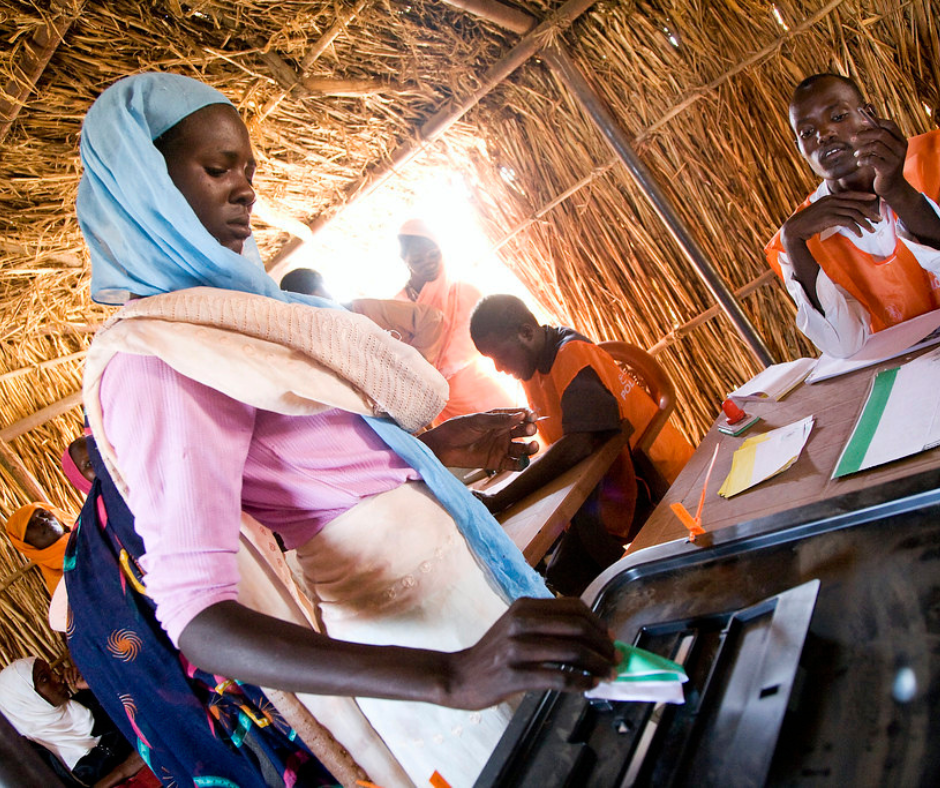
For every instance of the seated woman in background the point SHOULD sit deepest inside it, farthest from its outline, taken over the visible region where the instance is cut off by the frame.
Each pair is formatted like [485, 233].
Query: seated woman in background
[216, 394]
[39, 531]
[77, 465]
[76, 739]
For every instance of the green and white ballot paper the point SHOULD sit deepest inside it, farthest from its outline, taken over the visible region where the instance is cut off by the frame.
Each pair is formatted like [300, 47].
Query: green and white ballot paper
[901, 416]
[643, 676]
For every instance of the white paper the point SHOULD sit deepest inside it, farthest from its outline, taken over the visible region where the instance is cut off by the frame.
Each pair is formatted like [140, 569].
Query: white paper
[775, 381]
[890, 343]
[640, 691]
[909, 422]
[762, 456]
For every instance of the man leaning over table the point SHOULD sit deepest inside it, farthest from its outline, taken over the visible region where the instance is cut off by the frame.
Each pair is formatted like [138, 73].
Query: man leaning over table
[863, 251]
[583, 396]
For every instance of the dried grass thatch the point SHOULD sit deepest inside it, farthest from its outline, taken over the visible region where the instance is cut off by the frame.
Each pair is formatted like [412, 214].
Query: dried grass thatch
[331, 89]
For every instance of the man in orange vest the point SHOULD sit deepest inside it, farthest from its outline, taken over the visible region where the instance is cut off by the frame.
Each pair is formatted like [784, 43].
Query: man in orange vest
[583, 396]
[861, 253]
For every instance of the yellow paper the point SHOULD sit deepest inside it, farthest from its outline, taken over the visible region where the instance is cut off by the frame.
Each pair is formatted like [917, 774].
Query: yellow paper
[761, 457]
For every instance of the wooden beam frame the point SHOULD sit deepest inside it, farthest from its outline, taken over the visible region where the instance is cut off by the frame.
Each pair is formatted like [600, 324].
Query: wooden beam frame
[33, 60]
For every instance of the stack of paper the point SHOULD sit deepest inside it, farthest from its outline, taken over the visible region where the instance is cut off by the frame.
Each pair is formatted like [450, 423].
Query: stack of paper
[901, 416]
[762, 456]
[643, 676]
[914, 334]
[775, 382]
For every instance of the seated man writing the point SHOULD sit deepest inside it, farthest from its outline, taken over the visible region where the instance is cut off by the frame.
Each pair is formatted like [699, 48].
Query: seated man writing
[861, 253]
[583, 396]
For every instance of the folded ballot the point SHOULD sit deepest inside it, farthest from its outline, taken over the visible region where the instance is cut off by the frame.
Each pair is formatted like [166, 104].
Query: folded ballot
[775, 382]
[643, 676]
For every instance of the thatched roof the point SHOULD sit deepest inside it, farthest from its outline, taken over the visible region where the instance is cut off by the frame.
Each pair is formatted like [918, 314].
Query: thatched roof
[331, 90]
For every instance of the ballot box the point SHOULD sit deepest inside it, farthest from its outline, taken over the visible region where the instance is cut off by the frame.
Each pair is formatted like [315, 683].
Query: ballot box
[811, 639]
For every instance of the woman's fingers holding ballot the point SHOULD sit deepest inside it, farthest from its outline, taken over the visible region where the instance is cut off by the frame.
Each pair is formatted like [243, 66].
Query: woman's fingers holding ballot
[538, 644]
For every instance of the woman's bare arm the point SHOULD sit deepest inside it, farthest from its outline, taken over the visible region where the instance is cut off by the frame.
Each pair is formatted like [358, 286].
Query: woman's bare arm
[538, 644]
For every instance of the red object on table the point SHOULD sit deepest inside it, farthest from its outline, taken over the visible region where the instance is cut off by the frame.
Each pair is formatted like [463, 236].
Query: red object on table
[733, 413]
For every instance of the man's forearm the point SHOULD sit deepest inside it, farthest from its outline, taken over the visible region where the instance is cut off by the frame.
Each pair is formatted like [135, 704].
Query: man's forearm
[917, 215]
[805, 269]
[561, 455]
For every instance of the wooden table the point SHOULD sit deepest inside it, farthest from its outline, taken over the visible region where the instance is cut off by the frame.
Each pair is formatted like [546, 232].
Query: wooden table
[836, 404]
[535, 522]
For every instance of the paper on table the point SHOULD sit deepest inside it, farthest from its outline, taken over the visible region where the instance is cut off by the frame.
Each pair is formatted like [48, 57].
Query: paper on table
[775, 382]
[901, 416]
[762, 456]
[913, 334]
[643, 676]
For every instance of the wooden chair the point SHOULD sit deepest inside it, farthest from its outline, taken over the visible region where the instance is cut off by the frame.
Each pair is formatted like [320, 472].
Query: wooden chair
[650, 374]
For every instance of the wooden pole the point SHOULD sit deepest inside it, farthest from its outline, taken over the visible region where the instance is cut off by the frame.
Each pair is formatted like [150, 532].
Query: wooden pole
[597, 110]
[321, 45]
[712, 312]
[48, 413]
[52, 362]
[14, 466]
[35, 57]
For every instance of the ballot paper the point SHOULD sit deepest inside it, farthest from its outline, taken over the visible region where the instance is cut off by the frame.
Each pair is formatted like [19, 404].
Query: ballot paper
[642, 676]
[775, 382]
[901, 416]
[762, 456]
[913, 334]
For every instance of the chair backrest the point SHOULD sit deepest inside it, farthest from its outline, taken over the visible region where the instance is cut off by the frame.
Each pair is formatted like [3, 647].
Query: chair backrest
[648, 371]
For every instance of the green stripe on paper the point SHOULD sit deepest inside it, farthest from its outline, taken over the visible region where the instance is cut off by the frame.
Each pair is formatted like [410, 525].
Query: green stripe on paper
[854, 453]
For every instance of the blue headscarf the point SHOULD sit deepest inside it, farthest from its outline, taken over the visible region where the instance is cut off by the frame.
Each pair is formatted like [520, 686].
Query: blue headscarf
[145, 239]
[143, 236]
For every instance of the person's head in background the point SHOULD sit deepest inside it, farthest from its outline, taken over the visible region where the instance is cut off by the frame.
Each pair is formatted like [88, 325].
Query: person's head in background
[30, 683]
[827, 111]
[421, 252]
[38, 525]
[77, 465]
[504, 329]
[49, 685]
[39, 531]
[305, 281]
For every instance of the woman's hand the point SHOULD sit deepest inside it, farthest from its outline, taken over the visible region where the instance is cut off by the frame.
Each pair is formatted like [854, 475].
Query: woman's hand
[538, 644]
[485, 440]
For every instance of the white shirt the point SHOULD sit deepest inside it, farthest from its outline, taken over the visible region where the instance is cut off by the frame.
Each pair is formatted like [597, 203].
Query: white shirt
[845, 326]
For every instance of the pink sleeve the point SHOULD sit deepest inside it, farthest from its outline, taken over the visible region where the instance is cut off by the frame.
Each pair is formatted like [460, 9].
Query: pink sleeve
[181, 447]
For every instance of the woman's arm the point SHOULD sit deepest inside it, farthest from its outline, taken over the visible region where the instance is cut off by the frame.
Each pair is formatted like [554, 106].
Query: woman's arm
[127, 768]
[538, 644]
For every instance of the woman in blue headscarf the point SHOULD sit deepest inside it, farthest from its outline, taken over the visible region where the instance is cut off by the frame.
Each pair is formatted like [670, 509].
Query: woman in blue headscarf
[215, 398]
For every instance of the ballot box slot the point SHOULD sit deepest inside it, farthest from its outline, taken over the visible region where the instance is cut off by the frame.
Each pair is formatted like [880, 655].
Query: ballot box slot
[735, 683]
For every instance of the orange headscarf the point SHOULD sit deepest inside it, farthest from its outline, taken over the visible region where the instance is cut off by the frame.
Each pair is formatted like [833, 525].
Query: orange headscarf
[49, 559]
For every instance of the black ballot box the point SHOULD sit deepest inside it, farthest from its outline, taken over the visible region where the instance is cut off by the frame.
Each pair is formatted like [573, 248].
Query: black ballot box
[812, 644]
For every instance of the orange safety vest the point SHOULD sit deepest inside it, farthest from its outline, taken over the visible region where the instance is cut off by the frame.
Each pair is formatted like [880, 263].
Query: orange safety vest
[894, 289]
[669, 452]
